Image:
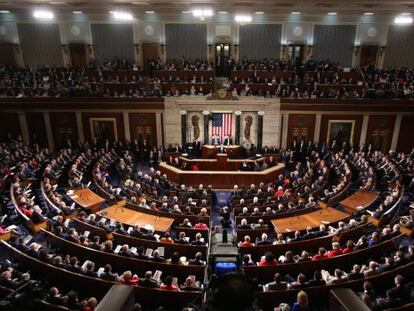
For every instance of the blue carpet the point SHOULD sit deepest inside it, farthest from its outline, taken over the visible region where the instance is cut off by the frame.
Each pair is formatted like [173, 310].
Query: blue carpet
[222, 199]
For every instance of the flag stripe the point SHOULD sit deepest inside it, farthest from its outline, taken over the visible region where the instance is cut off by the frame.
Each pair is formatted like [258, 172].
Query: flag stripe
[222, 124]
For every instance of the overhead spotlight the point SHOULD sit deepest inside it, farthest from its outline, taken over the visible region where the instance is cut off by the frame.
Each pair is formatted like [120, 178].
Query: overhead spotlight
[296, 13]
[202, 13]
[43, 15]
[403, 20]
[243, 19]
[149, 12]
[368, 13]
[332, 13]
[4, 11]
[122, 16]
[259, 13]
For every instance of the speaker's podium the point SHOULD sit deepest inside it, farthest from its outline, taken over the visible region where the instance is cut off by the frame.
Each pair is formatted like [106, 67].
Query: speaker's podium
[222, 161]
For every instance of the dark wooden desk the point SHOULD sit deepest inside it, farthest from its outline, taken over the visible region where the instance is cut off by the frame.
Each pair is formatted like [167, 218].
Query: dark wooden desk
[220, 179]
[359, 201]
[210, 151]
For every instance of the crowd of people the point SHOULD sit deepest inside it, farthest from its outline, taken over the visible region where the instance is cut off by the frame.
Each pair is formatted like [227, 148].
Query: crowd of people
[311, 79]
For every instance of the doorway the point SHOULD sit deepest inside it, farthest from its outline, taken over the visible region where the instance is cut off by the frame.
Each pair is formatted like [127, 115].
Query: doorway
[368, 55]
[296, 52]
[222, 56]
[150, 53]
[78, 54]
[7, 54]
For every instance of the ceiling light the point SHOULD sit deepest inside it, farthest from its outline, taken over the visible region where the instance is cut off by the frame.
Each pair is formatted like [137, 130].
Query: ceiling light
[243, 18]
[4, 11]
[149, 12]
[186, 12]
[222, 12]
[332, 13]
[43, 15]
[259, 13]
[122, 16]
[296, 13]
[368, 13]
[77, 12]
[202, 13]
[403, 20]
[406, 14]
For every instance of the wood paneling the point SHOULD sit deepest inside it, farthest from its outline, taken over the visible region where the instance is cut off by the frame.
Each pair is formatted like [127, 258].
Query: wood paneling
[405, 138]
[36, 128]
[87, 116]
[380, 130]
[9, 126]
[7, 54]
[357, 129]
[143, 125]
[64, 127]
[301, 126]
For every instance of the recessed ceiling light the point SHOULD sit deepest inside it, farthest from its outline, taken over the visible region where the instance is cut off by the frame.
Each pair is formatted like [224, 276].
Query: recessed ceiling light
[243, 18]
[4, 11]
[368, 13]
[203, 13]
[296, 13]
[43, 14]
[332, 13]
[123, 16]
[403, 20]
[77, 12]
[222, 12]
[259, 13]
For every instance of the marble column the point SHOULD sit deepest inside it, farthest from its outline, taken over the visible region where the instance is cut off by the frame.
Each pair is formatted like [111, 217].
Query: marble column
[260, 115]
[48, 127]
[81, 133]
[183, 128]
[237, 131]
[317, 131]
[396, 132]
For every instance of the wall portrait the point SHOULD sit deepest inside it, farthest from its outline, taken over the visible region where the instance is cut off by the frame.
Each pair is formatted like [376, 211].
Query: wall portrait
[103, 128]
[341, 131]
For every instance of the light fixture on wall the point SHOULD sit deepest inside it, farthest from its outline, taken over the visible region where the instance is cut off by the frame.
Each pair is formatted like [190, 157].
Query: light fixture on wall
[332, 13]
[296, 13]
[149, 12]
[122, 16]
[4, 11]
[368, 13]
[259, 13]
[403, 20]
[243, 19]
[43, 14]
[77, 12]
[202, 14]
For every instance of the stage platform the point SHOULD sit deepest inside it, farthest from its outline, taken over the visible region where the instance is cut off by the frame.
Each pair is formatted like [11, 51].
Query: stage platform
[130, 217]
[326, 216]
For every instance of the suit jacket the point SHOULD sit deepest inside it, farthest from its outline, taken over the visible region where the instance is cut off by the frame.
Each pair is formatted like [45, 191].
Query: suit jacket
[215, 141]
[228, 141]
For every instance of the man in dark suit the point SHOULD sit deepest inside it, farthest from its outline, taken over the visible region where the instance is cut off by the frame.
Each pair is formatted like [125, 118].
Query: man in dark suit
[148, 281]
[227, 140]
[277, 283]
[108, 275]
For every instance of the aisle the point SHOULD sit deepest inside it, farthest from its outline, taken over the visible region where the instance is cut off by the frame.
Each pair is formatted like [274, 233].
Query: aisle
[222, 198]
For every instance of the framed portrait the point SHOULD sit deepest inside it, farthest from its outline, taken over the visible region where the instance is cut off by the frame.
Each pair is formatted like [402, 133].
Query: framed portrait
[103, 128]
[341, 131]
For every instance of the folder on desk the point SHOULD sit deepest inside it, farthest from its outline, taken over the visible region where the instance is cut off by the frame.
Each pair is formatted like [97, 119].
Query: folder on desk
[161, 251]
[148, 252]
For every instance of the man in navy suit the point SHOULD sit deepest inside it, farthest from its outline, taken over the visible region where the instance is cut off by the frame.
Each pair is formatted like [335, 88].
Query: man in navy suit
[215, 140]
[227, 141]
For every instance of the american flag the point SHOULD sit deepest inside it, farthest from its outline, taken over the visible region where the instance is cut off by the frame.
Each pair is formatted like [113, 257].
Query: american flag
[221, 124]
